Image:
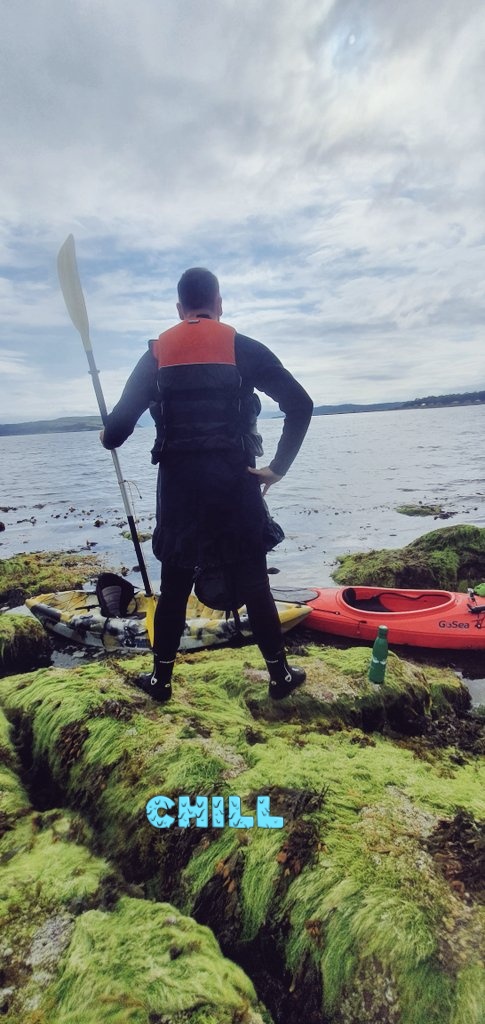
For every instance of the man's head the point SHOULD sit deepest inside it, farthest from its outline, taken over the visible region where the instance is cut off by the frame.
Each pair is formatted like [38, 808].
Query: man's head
[198, 292]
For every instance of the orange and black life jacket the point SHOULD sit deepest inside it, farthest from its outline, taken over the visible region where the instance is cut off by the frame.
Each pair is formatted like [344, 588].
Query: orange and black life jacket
[198, 405]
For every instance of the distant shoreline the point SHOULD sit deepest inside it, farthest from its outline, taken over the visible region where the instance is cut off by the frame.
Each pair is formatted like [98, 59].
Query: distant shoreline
[61, 425]
[70, 424]
[429, 402]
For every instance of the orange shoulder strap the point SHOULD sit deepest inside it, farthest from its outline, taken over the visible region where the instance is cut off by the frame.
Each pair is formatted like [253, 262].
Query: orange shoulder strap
[196, 341]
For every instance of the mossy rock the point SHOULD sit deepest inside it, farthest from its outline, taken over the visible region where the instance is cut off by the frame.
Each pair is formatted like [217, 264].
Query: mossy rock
[8, 753]
[67, 958]
[449, 559]
[24, 644]
[26, 575]
[346, 909]
[72, 942]
[47, 878]
[145, 962]
[421, 510]
[14, 802]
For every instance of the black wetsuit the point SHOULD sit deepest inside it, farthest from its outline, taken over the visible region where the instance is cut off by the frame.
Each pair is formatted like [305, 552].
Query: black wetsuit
[209, 508]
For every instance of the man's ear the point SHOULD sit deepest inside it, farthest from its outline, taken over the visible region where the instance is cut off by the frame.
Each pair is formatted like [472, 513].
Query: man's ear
[180, 311]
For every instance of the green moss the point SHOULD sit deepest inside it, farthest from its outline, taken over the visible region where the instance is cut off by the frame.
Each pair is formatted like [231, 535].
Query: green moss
[200, 868]
[13, 798]
[469, 1000]
[145, 959]
[449, 559]
[261, 874]
[374, 895]
[48, 866]
[338, 688]
[46, 878]
[445, 690]
[26, 575]
[7, 750]
[124, 761]
[145, 772]
[142, 537]
[348, 882]
[420, 510]
[24, 643]
[67, 963]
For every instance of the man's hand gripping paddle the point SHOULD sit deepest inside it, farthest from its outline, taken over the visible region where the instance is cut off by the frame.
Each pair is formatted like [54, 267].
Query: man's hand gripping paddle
[76, 307]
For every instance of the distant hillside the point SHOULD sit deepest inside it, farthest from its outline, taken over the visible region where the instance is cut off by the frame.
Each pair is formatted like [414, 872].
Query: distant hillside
[64, 424]
[435, 401]
[430, 402]
[335, 410]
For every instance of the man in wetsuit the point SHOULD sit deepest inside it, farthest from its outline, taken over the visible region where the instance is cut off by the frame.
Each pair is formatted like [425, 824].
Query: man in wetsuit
[198, 380]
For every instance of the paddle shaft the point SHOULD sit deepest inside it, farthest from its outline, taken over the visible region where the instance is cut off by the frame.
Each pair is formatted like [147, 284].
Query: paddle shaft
[116, 462]
[73, 296]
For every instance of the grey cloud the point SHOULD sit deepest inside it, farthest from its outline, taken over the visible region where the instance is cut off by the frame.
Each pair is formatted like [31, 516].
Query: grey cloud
[326, 162]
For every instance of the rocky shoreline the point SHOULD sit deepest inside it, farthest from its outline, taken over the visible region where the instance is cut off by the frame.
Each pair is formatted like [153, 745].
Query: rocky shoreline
[365, 907]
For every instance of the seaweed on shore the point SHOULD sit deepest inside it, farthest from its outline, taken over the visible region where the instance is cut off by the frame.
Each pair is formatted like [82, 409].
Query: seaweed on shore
[24, 644]
[78, 945]
[364, 907]
[344, 910]
[452, 558]
[26, 575]
[424, 510]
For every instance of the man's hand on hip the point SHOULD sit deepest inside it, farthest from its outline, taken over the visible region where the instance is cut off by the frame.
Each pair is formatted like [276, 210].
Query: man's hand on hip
[266, 477]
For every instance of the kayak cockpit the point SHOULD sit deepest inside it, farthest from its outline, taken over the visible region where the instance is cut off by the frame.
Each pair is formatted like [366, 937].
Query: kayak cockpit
[373, 599]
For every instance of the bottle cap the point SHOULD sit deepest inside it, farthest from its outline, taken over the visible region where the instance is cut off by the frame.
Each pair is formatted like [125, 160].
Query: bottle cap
[382, 631]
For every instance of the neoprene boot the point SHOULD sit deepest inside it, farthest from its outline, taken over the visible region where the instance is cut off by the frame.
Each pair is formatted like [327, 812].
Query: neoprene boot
[157, 684]
[282, 678]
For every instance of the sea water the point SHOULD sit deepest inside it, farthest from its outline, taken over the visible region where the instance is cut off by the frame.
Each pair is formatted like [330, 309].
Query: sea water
[59, 491]
[340, 495]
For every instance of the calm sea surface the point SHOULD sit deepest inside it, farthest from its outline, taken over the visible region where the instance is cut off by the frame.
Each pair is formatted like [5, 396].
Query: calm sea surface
[340, 495]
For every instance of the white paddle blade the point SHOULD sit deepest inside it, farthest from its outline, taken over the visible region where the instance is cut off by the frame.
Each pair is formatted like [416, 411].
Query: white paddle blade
[72, 291]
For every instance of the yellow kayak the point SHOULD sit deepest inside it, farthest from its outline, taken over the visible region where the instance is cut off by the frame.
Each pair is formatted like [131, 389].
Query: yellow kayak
[76, 616]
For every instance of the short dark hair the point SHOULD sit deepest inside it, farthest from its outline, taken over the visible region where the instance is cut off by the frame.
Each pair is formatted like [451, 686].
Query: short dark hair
[197, 289]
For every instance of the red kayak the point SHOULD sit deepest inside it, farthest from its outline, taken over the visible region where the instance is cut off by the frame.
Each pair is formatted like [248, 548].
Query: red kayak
[420, 618]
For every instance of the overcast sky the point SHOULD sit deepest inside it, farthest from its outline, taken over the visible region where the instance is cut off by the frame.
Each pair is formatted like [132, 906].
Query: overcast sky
[324, 159]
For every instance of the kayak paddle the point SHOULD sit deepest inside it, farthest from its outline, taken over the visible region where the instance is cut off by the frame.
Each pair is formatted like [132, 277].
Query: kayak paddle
[76, 307]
